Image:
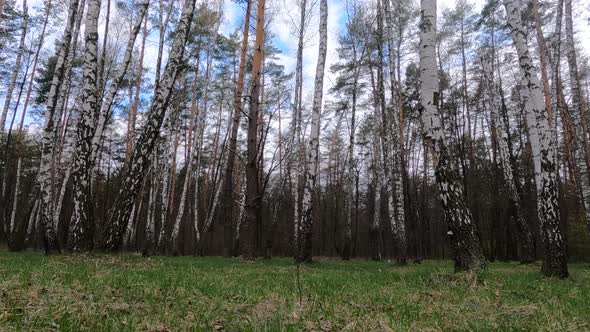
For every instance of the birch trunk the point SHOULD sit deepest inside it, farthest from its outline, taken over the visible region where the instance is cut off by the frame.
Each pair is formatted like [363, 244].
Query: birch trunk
[185, 188]
[26, 101]
[397, 192]
[543, 150]
[312, 168]
[163, 22]
[195, 158]
[375, 228]
[133, 111]
[56, 137]
[63, 112]
[392, 145]
[4, 171]
[16, 68]
[501, 130]
[240, 217]
[15, 199]
[62, 193]
[32, 221]
[45, 178]
[82, 223]
[296, 158]
[139, 162]
[468, 254]
[150, 228]
[350, 173]
[105, 113]
[543, 59]
[165, 197]
[217, 163]
[101, 61]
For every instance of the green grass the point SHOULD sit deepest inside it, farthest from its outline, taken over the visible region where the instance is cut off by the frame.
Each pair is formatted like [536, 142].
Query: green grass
[129, 293]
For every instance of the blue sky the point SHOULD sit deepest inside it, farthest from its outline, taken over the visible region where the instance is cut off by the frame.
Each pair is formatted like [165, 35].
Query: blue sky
[282, 14]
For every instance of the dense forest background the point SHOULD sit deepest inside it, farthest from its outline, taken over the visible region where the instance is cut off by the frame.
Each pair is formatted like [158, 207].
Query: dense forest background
[296, 127]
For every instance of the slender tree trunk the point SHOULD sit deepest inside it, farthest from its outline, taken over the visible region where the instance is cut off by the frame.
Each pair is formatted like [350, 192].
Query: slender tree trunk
[375, 228]
[240, 217]
[19, 137]
[468, 254]
[139, 162]
[82, 224]
[501, 132]
[133, 111]
[296, 157]
[226, 212]
[350, 173]
[4, 171]
[312, 168]
[148, 244]
[543, 149]
[543, 59]
[163, 22]
[91, 126]
[165, 173]
[102, 77]
[16, 69]
[45, 227]
[579, 115]
[392, 145]
[198, 148]
[378, 172]
[195, 150]
[109, 98]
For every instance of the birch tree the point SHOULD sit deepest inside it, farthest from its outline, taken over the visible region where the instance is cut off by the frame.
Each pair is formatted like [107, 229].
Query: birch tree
[501, 130]
[140, 159]
[390, 139]
[465, 243]
[93, 117]
[352, 52]
[197, 150]
[133, 111]
[46, 227]
[296, 155]
[4, 173]
[17, 66]
[312, 167]
[19, 134]
[82, 227]
[543, 149]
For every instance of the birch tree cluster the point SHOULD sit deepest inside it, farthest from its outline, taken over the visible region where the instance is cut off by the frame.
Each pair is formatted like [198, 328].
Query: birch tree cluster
[415, 133]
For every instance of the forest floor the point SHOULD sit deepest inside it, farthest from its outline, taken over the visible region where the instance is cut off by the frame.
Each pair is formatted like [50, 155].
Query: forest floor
[130, 293]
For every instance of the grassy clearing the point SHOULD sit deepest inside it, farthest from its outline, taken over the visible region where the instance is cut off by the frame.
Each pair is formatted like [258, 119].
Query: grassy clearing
[129, 293]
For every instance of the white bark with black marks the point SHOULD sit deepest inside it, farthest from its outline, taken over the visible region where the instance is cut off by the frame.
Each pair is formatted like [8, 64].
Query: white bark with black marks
[139, 162]
[543, 149]
[16, 69]
[296, 153]
[109, 98]
[501, 130]
[468, 253]
[312, 167]
[45, 227]
[82, 223]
